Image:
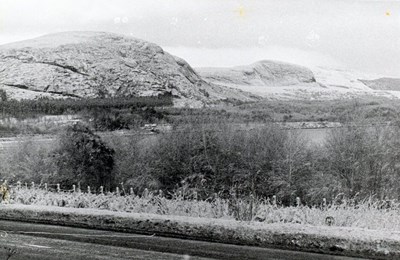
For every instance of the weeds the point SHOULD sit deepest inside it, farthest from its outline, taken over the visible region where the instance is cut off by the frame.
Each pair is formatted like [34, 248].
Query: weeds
[10, 252]
[368, 213]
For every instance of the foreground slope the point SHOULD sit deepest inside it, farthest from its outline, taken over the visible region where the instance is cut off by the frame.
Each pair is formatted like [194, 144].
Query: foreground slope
[98, 64]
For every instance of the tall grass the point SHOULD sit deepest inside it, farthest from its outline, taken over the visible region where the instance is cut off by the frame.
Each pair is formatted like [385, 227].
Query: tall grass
[146, 203]
[367, 213]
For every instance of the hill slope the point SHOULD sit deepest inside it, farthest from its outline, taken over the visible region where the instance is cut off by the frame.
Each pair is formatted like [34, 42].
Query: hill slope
[279, 80]
[269, 79]
[97, 64]
[391, 84]
[262, 73]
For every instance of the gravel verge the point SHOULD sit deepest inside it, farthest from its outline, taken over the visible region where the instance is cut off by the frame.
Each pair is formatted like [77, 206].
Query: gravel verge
[322, 239]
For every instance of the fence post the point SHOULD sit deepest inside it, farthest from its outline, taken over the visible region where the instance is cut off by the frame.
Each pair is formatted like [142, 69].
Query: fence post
[117, 191]
[26, 185]
[101, 189]
[45, 186]
[131, 191]
[88, 189]
[298, 202]
[251, 207]
[58, 187]
[33, 185]
[145, 193]
[73, 188]
[274, 200]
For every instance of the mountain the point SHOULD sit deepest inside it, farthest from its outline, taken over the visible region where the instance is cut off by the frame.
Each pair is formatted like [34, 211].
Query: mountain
[98, 64]
[279, 80]
[266, 78]
[391, 84]
[262, 73]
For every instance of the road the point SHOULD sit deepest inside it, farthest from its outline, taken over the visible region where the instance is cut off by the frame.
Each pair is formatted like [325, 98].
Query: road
[37, 241]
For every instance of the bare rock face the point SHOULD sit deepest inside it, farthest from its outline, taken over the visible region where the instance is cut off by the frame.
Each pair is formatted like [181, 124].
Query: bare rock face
[97, 64]
[262, 73]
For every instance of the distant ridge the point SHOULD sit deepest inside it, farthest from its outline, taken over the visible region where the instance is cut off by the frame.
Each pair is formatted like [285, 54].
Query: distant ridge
[275, 80]
[262, 73]
[100, 64]
[383, 84]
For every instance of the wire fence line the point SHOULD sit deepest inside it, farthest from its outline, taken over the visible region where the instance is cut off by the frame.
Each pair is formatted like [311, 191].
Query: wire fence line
[56, 187]
[117, 191]
[338, 211]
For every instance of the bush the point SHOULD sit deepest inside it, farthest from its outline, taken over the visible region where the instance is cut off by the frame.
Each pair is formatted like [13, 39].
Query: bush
[84, 159]
[204, 159]
[365, 160]
[116, 119]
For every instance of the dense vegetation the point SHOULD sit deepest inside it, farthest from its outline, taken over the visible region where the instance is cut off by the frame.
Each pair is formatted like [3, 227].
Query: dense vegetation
[219, 160]
[211, 153]
[82, 158]
[354, 161]
[44, 106]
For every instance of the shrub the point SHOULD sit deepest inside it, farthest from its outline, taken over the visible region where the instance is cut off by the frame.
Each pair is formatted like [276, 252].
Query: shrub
[83, 158]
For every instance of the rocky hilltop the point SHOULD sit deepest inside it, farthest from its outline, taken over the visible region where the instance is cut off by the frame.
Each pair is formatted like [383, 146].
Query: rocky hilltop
[276, 80]
[392, 84]
[262, 73]
[98, 64]
[266, 78]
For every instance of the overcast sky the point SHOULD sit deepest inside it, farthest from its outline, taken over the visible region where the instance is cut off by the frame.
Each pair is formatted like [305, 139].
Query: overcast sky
[361, 35]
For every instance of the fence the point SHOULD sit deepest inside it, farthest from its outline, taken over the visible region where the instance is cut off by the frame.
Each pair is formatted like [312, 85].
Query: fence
[251, 200]
[74, 188]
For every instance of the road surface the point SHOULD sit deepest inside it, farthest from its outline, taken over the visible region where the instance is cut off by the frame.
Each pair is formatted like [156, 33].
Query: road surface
[36, 241]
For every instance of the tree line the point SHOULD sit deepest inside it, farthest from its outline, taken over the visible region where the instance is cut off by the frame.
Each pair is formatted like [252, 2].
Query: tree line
[45, 106]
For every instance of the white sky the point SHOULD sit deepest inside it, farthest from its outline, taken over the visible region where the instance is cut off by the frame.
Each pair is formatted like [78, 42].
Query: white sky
[357, 34]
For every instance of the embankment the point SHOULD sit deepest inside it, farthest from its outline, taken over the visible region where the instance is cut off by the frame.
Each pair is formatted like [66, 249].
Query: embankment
[322, 239]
